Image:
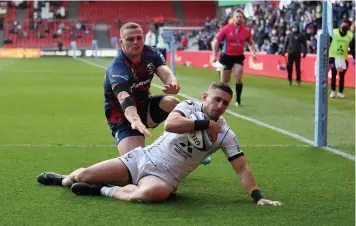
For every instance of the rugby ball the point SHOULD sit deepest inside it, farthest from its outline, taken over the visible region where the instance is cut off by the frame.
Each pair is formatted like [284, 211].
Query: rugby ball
[200, 139]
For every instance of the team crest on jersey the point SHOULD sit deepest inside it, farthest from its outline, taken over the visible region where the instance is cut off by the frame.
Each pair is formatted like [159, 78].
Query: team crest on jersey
[150, 68]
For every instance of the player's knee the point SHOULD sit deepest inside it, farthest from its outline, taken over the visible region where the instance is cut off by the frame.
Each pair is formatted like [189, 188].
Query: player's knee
[160, 109]
[168, 103]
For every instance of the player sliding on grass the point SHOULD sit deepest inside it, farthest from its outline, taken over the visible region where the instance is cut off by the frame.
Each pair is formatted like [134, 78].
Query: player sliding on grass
[153, 173]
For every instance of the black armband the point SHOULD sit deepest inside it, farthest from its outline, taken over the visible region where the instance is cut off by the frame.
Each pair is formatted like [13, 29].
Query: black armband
[256, 195]
[127, 103]
[201, 124]
[119, 88]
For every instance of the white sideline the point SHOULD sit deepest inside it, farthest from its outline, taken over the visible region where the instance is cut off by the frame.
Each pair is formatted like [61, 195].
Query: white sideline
[255, 121]
[113, 146]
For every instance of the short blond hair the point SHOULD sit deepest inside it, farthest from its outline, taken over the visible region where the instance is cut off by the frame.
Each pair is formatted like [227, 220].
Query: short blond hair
[129, 25]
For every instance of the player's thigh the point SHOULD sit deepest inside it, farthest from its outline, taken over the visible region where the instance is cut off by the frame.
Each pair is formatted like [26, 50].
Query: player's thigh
[106, 172]
[130, 142]
[154, 189]
[127, 138]
[158, 109]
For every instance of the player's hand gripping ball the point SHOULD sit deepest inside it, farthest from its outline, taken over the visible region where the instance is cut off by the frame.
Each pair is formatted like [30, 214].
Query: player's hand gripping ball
[200, 139]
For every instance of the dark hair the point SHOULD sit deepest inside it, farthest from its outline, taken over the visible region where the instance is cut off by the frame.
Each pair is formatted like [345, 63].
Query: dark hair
[129, 25]
[223, 86]
[347, 21]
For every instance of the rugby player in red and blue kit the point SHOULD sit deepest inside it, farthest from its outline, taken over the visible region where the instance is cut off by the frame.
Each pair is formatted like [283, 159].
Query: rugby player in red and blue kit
[232, 56]
[130, 108]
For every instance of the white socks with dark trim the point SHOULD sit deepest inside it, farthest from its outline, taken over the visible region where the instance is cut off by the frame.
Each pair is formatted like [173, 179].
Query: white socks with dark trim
[67, 182]
[109, 191]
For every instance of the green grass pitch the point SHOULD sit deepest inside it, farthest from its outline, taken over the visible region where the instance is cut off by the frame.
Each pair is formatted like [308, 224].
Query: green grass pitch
[52, 119]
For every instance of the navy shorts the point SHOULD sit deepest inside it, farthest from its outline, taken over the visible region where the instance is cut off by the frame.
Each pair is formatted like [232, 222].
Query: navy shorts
[123, 129]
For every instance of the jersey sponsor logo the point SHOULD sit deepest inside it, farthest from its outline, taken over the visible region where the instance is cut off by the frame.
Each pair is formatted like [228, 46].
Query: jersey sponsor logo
[184, 149]
[142, 83]
[125, 77]
[188, 146]
[162, 58]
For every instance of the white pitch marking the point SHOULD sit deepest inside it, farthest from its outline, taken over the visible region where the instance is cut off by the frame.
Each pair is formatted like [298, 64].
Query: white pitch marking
[255, 121]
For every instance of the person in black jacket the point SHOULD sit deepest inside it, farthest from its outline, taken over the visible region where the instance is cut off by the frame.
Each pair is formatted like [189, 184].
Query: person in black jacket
[294, 45]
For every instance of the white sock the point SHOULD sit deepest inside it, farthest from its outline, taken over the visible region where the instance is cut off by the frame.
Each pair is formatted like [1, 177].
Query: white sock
[109, 191]
[67, 182]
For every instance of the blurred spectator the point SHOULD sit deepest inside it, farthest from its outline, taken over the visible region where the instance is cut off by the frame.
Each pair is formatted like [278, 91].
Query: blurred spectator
[313, 44]
[60, 44]
[115, 42]
[269, 23]
[78, 26]
[183, 43]
[150, 38]
[162, 46]
[295, 44]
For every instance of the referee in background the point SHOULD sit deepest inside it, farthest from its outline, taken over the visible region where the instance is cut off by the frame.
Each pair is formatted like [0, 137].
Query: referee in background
[294, 45]
[232, 56]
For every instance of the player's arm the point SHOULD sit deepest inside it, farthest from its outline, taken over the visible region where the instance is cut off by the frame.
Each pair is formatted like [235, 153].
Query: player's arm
[286, 44]
[235, 156]
[249, 183]
[170, 81]
[251, 45]
[120, 79]
[165, 74]
[122, 93]
[245, 175]
[218, 39]
[215, 49]
[178, 121]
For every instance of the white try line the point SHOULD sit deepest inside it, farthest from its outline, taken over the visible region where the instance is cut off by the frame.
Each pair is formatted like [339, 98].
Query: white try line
[47, 72]
[113, 146]
[255, 121]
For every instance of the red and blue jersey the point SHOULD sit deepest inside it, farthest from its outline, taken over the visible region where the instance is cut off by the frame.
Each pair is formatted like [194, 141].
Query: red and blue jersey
[136, 76]
[234, 39]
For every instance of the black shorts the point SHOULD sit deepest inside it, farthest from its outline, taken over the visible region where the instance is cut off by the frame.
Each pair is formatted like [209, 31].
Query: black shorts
[229, 61]
[123, 129]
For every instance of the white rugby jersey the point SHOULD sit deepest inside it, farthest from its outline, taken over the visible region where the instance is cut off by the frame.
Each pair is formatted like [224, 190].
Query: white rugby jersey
[179, 156]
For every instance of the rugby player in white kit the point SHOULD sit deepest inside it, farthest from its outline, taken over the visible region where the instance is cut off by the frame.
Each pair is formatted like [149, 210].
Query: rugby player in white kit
[153, 173]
